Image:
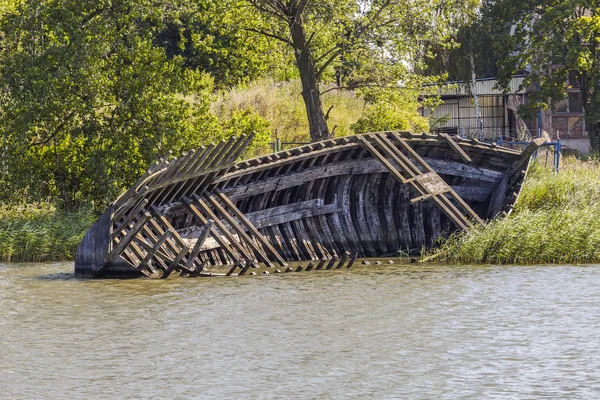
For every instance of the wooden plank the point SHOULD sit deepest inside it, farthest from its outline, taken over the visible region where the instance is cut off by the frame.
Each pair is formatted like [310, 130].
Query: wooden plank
[390, 151]
[497, 198]
[448, 208]
[126, 208]
[189, 168]
[190, 205]
[196, 171]
[320, 264]
[434, 180]
[454, 146]
[198, 245]
[250, 226]
[331, 263]
[223, 229]
[524, 157]
[154, 249]
[345, 256]
[240, 231]
[292, 159]
[132, 214]
[382, 159]
[116, 250]
[352, 259]
[352, 167]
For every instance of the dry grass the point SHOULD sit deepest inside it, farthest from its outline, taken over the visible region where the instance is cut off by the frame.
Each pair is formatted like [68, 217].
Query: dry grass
[281, 103]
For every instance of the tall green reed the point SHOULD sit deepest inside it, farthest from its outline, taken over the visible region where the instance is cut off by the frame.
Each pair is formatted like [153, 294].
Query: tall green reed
[556, 220]
[41, 232]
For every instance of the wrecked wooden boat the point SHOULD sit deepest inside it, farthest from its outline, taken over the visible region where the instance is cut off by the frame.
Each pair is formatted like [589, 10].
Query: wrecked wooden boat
[370, 195]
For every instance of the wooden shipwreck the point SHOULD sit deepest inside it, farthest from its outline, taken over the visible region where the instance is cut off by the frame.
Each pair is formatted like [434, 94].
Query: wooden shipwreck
[371, 195]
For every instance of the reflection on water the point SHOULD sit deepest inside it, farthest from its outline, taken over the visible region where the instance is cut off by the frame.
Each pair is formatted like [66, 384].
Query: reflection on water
[379, 331]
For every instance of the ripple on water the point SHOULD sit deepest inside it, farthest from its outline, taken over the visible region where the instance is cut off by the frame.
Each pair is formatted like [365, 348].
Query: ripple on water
[388, 331]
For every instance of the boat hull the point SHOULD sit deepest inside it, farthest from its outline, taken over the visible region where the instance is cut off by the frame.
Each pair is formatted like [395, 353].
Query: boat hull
[382, 194]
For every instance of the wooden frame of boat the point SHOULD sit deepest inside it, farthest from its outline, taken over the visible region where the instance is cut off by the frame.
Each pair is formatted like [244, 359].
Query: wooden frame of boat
[327, 203]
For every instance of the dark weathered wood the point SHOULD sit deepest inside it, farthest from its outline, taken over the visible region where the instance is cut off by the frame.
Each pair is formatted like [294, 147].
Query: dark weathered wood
[317, 201]
[191, 206]
[406, 166]
[351, 263]
[153, 251]
[352, 167]
[240, 231]
[524, 158]
[497, 198]
[454, 146]
[263, 241]
[116, 250]
[198, 245]
[234, 242]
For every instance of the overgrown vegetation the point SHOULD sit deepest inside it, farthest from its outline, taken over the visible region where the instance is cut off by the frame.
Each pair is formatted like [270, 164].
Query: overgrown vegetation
[41, 232]
[555, 221]
[91, 93]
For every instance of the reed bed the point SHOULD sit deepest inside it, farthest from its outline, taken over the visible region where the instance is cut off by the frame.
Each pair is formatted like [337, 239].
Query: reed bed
[556, 220]
[36, 233]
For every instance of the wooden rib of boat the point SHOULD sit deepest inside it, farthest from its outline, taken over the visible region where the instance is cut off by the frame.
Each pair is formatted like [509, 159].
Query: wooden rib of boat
[370, 195]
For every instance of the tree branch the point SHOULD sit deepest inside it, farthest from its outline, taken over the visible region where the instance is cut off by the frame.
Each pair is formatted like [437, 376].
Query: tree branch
[357, 86]
[56, 130]
[327, 63]
[325, 54]
[271, 35]
[327, 113]
[272, 10]
[371, 20]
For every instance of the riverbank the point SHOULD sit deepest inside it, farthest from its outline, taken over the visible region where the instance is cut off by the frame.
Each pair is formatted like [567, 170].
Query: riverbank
[41, 232]
[556, 220]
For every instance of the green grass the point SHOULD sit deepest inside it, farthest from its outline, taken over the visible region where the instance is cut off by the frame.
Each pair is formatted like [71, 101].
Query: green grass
[556, 220]
[41, 233]
[281, 103]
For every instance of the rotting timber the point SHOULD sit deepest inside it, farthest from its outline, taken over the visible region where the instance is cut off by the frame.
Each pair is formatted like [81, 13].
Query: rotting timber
[370, 195]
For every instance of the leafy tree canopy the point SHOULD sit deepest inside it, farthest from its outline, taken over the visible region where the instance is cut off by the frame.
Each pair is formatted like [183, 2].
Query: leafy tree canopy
[371, 43]
[556, 40]
[87, 99]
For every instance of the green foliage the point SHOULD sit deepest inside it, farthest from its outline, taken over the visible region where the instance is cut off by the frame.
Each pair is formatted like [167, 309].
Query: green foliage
[208, 36]
[558, 40]
[392, 111]
[374, 44]
[247, 122]
[475, 36]
[555, 221]
[281, 105]
[88, 100]
[41, 232]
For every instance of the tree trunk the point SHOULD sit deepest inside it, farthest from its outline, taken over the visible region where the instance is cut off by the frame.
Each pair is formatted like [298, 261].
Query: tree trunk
[475, 97]
[310, 86]
[594, 137]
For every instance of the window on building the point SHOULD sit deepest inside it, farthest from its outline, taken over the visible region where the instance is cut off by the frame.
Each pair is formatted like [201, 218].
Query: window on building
[575, 102]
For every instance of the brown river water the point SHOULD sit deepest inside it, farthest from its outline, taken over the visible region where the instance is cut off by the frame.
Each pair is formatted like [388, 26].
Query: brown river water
[379, 331]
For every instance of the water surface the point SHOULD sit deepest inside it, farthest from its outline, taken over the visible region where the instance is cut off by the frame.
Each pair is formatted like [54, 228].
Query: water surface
[389, 331]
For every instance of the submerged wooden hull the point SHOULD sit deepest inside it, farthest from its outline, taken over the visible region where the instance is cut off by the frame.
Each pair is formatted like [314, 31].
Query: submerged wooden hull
[380, 194]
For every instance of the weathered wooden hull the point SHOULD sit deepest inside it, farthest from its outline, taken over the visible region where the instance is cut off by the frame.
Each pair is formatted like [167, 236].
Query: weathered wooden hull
[371, 195]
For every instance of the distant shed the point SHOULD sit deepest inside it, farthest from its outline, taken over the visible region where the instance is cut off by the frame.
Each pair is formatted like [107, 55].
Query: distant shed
[457, 113]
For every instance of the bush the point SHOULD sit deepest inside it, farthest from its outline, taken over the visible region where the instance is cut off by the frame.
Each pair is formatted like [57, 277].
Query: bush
[555, 221]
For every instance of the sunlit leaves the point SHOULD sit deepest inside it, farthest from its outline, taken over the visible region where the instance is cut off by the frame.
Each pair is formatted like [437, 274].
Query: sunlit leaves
[88, 100]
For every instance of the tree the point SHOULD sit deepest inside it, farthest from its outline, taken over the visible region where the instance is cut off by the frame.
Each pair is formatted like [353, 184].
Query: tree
[88, 101]
[556, 40]
[367, 43]
[204, 34]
